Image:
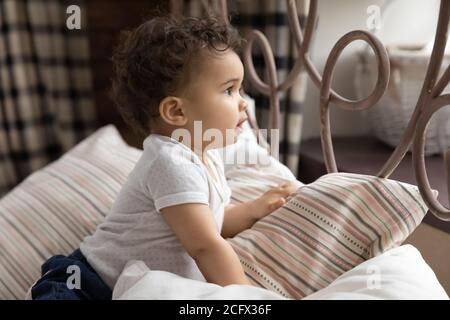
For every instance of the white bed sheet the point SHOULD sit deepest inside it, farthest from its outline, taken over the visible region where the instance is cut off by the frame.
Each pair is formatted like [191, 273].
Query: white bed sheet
[400, 273]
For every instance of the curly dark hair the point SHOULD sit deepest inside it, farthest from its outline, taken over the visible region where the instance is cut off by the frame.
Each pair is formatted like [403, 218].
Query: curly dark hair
[151, 61]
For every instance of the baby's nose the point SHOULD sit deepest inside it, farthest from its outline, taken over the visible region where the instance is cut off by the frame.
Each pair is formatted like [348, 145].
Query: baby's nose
[243, 105]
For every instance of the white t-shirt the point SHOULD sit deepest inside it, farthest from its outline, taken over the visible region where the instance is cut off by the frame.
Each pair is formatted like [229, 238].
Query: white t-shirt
[168, 173]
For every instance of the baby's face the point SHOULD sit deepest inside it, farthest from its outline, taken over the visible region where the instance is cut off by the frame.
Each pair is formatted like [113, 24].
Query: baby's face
[214, 98]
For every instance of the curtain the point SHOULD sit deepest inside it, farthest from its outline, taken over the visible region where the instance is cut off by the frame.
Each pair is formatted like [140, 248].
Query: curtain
[271, 18]
[46, 103]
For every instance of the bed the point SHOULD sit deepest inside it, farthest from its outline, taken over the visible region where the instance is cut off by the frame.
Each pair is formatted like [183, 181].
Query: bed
[340, 237]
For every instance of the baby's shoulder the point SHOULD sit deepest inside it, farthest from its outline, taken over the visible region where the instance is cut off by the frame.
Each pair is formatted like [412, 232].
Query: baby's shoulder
[164, 152]
[168, 167]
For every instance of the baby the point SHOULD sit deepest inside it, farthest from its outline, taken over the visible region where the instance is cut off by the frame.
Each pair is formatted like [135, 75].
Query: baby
[174, 211]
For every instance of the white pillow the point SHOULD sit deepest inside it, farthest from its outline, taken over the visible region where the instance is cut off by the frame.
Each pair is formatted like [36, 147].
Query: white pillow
[137, 282]
[254, 170]
[400, 273]
[248, 153]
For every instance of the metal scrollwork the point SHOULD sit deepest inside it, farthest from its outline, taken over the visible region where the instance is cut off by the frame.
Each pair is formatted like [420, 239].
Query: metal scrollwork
[428, 103]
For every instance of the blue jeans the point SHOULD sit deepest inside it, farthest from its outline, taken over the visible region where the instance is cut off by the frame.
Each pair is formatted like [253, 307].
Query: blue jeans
[70, 278]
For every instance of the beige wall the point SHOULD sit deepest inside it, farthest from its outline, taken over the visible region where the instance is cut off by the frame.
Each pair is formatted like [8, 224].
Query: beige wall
[405, 22]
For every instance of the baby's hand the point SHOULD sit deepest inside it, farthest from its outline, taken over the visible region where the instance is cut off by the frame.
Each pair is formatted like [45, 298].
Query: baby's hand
[274, 198]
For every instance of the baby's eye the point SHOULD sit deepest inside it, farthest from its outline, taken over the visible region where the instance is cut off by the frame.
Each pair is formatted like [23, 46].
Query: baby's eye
[229, 92]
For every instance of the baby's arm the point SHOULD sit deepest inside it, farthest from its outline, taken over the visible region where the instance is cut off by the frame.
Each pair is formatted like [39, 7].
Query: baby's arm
[242, 216]
[195, 227]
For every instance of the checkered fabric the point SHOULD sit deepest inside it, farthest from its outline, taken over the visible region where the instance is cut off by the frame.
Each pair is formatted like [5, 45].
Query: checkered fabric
[271, 18]
[46, 103]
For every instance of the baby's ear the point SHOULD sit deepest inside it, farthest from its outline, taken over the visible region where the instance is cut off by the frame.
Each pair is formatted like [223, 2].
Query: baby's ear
[171, 111]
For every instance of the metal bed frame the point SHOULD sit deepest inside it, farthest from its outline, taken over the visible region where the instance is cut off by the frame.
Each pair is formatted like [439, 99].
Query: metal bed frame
[429, 102]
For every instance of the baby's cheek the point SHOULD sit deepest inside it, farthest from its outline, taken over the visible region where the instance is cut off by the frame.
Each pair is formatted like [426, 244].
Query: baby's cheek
[225, 120]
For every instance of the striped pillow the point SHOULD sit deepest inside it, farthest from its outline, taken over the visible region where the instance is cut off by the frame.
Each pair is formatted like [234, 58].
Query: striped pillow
[56, 207]
[326, 228]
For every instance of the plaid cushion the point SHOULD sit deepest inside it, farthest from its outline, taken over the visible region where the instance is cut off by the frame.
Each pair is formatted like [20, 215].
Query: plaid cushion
[327, 228]
[46, 100]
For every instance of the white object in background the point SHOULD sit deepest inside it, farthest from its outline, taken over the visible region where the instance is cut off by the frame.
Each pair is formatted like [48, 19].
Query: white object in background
[389, 118]
[409, 52]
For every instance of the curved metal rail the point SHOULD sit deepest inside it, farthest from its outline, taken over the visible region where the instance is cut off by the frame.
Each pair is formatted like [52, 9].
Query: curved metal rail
[429, 102]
